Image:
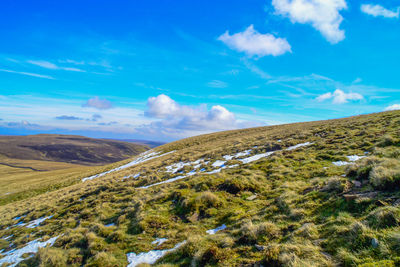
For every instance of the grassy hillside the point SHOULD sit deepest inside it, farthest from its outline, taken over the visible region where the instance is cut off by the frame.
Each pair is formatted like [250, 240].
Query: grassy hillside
[308, 194]
[67, 148]
[31, 165]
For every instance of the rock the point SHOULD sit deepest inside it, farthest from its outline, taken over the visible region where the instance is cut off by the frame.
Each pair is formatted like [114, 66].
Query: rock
[252, 197]
[397, 203]
[260, 248]
[374, 242]
[356, 183]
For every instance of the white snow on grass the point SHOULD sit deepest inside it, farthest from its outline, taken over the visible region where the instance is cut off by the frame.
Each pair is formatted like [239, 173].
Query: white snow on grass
[37, 222]
[164, 182]
[243, 153]
[354, 157]
[298, 145]
[214, 231]
[19, 217]
[149, 257]
[7, 237]
[341, 163]
[159, 241]
[256, 157]
[351, 158]
[134, 176]
[142, 158]
[267, 154]
[238, 155]
[13, 257]
[218, 163]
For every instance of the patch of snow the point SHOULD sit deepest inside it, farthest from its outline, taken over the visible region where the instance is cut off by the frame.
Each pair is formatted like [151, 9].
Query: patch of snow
[218, 163]
[142, 158]
[13, 257]
[37, 222]
[298, 145]
[7, 237]
[256, 157]
[228, 157]
[354, 157]
[341, 163]
[134, 176]
[19, 217]
[159, 241]
[243, 153]
[149, 257]
[164, 182]
[213, 231]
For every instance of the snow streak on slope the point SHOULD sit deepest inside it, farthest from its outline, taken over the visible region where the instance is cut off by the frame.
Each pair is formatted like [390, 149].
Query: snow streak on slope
[142, 158]
[15, 256]
[149, 257]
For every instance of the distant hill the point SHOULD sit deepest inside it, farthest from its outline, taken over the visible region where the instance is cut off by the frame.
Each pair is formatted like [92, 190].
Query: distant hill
[68, 148]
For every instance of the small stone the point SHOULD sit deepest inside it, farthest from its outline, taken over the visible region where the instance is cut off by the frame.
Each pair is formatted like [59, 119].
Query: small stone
[374, 242]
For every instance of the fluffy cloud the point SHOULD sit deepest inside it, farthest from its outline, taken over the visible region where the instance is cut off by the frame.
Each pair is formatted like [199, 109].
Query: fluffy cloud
[98, 103]
[393, 107]
[180, 120]
[256, 44]
[323, 15]
[340, 97]
[379, 11]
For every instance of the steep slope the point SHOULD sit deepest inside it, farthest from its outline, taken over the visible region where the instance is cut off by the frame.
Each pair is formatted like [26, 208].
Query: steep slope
[67, 148]
[309, 194]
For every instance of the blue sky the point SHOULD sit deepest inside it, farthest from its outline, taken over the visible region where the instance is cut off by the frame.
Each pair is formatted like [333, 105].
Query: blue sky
[164, 70]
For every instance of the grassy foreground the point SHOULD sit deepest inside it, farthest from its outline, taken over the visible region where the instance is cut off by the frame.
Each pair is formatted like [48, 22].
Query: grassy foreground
[293, 208]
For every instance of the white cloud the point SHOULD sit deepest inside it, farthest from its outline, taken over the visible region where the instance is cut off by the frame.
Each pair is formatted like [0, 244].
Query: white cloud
[29, 74]
[379, 11]
[180, 120]
[339, 97]
[324, 97]
[52, 66]
[256, 44]
[98, 103]
[393, 107]
[323, 15]
[217, 84]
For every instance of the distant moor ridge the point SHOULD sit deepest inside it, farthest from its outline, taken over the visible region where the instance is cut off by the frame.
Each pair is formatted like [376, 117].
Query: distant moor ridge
[68, 148]
[324, 193]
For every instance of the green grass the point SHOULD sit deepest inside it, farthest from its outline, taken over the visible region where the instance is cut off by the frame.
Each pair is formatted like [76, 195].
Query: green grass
[304, 213]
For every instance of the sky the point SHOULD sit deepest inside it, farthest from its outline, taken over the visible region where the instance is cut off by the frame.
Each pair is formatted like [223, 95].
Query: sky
[164, 70]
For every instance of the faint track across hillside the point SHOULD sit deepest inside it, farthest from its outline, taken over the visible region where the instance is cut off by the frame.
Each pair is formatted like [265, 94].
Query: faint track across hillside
[21, 167]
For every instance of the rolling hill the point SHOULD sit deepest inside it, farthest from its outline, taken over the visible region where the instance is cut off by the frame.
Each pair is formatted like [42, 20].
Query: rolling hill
[33, 164]
[322, 193]
[68, 148]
